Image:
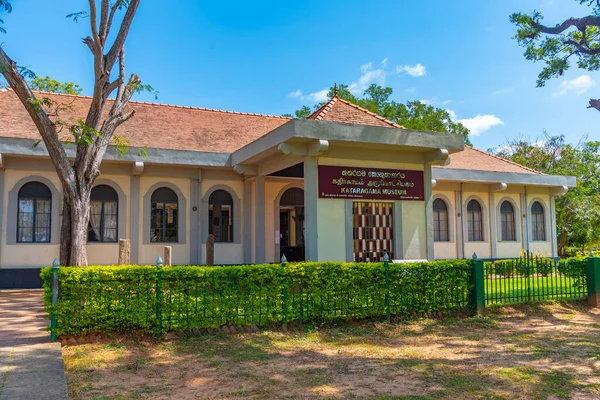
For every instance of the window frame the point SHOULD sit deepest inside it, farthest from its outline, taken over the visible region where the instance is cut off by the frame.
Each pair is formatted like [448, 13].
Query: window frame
[35, 198]
[211, 216]
[437, 222]
[163, 228]
[471, 221]
[505, 220]
[537, 219]
[102, 214]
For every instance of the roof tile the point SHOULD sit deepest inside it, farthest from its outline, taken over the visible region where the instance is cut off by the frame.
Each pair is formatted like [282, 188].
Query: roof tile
[154, 125]
[340, 110]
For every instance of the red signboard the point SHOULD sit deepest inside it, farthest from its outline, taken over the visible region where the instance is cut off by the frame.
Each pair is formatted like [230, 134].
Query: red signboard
[370, 183]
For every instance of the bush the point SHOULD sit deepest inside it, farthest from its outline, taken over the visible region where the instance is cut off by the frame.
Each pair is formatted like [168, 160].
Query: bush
[533, 266]
[574, 267]
[148, 298]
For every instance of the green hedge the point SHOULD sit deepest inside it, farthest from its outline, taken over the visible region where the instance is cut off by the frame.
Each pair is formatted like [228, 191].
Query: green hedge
[148, 299]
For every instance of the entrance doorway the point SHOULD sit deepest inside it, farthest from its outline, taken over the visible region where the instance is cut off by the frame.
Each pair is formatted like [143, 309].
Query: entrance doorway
[372, 230]
[291, 224]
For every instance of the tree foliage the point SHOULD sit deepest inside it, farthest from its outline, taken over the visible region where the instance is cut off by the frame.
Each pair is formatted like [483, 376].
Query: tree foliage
[412, 115]
[47, 84]
[94, 132]
[577, 211]
[575, 40]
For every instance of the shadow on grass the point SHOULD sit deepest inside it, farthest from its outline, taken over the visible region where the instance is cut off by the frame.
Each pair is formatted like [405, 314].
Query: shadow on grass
[497, 356]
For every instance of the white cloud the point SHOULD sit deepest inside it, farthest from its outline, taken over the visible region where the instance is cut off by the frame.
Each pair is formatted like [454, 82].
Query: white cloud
[319, 96]
[295, 94]
[446, 102]
[417, 70]
[452, 114]
[369, 76]
[502, 91]
[480, 123]
[578, 85]
[428, 101]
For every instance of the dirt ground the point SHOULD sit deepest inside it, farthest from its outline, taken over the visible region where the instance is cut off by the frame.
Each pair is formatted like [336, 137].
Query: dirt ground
[549, 351]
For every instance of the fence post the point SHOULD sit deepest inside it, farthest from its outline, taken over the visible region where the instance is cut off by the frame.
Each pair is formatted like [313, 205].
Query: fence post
[53, 322]
[386, 265]
[477, 290]
[159, 264]
[593, 281]
[284, 292]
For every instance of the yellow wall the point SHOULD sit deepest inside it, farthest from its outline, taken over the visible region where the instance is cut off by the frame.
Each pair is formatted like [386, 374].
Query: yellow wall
[414, 230]
[448, 250]
[148, 253]
[331, 227]
[272, 190]
[22, 254]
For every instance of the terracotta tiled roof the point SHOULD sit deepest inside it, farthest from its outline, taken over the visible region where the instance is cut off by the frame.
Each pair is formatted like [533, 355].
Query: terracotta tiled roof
[474, 159]
[201, 129]
[154, 125]
[340, 110]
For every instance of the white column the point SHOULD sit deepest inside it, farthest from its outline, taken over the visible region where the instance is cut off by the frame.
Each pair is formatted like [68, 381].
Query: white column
[134, 218]
[429, 213]
[460, 238]
[525, 229]
[247, 201]
[259, 215]
[493, 226]
[311, 196]
[553, 226]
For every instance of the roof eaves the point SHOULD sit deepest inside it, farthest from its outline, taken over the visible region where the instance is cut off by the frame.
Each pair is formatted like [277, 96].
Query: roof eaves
[387, 121]
[533, 171]
[168, 105]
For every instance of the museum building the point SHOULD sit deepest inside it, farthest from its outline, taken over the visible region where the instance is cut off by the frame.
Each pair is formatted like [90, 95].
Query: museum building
[344, 184]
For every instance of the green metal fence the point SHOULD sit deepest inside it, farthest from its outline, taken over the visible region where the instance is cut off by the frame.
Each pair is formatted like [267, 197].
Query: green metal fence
[161, 299]
[532, 279]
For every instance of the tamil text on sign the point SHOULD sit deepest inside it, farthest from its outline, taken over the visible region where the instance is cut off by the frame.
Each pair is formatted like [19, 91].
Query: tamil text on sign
[370, 183]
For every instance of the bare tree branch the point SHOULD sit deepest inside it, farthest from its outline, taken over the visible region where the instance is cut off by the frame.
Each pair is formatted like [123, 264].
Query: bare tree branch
[582, 49]
[45, 126]
[113, 11]
[580, 23]
[119, 42]
[103, 21]
[94, 24]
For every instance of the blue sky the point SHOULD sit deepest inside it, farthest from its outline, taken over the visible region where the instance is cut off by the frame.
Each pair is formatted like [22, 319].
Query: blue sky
[272, 57]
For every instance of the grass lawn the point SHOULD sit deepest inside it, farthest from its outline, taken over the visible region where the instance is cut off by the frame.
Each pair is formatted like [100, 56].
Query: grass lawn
[534, 288]
[545, 351]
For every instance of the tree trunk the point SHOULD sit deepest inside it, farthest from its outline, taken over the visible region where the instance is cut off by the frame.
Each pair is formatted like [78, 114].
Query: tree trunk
[562, 242]
[65, 232]
[74, 226]
[80, 209]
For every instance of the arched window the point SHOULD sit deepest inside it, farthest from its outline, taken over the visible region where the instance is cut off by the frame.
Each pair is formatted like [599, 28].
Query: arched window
[538, 223]
[440, 221]
[474, 221]
[104, 206]
[164, 216]
[507, 221]
[35, 210]
[220, 216]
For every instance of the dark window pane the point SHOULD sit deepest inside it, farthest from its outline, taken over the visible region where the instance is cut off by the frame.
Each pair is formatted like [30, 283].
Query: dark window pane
[26, 235]
[26, 205]
[42, 235]
[34, 213]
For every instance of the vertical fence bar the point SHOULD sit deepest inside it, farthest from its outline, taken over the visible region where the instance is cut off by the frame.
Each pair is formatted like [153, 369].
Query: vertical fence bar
[53, 322]
[386, 265]
[158, 301]
[477, 289]
[284, 291]
[593, 281]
